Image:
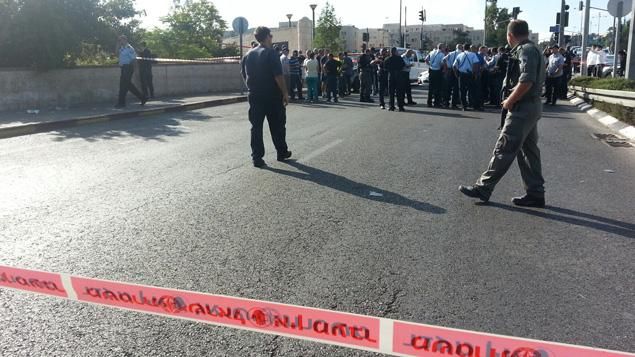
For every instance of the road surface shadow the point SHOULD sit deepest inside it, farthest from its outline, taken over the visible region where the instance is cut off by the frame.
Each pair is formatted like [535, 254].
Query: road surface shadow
[148, 128]
[569, 216]
[453, 114]
[345, 185]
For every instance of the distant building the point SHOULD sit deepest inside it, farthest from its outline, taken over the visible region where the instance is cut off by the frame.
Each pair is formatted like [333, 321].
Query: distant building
[298, 35]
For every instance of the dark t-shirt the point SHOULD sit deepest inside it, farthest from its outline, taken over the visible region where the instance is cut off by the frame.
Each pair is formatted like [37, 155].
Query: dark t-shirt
[260, 67]
[394, 64]
[364, 62]
[331, 67]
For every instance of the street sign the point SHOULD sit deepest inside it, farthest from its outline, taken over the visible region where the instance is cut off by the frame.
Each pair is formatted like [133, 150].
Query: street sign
[626, 7]
[555, 29]
[240, 25]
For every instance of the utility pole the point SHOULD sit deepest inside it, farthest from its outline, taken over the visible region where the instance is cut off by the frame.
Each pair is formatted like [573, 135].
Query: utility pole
[630, 66]
[585, 37]
[400, 30]
[618, 29]
[405, 25]
[562, 23]
[485, 27]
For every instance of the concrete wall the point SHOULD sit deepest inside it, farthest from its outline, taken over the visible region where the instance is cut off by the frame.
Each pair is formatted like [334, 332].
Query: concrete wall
[25, 89]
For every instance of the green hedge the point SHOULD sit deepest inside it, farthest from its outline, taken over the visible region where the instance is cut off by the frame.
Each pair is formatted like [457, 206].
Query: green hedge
[604, 83]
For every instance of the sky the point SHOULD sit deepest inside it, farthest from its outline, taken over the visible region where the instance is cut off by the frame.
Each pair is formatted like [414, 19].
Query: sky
[539, 13]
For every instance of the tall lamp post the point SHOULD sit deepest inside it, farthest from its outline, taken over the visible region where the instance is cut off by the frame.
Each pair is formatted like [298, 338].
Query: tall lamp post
[313, 6]
[289, 16]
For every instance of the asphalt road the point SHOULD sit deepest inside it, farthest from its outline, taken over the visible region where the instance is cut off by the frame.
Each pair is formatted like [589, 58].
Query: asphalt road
[173, 201]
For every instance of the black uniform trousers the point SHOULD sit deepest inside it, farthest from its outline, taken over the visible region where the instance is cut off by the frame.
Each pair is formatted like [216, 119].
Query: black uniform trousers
[495, 88]
[296, 86]
[452, 93]
[395, 88]
[383, 88]
[125, 84]
[466, 84]
[552, 86]
[405, 83]
[484, 81]
[331, 86]
[435, 87]
[271, 107]
[147, 86]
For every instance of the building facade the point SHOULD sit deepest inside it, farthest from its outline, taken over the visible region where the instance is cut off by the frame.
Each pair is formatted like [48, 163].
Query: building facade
[298, 35]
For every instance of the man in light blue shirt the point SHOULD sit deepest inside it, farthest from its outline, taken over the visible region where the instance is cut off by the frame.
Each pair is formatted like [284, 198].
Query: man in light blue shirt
[405, 80]
[452, 92]
[127, 58]
[435, 60]
[554, 74]
[466, 67]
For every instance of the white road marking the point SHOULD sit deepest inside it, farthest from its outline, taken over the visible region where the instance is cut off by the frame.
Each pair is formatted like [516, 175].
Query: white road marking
[321, 150]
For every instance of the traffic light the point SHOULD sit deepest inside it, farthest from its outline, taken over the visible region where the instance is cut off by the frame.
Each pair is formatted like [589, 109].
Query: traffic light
[566, 19]
[365, 37]
[515, 12]
[581, 6]
[421, 18]
[555, 37]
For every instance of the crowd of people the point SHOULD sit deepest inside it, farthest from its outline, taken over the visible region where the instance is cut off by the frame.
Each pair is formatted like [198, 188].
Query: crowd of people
[467, 77]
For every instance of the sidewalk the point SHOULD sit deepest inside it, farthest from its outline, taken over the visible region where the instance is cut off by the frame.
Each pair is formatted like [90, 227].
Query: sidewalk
[20, 123]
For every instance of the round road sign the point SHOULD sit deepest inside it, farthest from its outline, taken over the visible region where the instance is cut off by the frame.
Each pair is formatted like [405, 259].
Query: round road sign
[627, 6]
[240, 25]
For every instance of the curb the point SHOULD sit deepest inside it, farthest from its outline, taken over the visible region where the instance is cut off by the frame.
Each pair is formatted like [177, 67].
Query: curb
[605, 119]
[35, 128]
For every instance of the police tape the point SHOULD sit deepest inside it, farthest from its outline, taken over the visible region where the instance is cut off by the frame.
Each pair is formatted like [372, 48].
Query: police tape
[355, 331]
[233, 59]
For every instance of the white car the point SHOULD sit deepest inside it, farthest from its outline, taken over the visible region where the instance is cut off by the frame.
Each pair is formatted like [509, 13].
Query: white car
[424, 77]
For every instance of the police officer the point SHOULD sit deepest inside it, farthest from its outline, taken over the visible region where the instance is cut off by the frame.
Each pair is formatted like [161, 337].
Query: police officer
[405, 73]
[268, 96]
[382, 76]
[435, 60]
[452, 93]
[365, 77]
[465, 69]
[395, 65]
[519, 136]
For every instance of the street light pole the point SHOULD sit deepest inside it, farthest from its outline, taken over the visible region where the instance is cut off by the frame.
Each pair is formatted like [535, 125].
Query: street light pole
[485, 25]
[289, 17]
[400, 32]
[630, 65]
[313, 6]
[585, 37]
[561, 40]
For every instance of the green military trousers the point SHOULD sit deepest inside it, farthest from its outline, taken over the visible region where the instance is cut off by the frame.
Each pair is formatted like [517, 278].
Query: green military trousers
[518, 139]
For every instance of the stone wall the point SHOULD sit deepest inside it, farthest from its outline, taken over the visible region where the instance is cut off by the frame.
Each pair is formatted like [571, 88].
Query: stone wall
[26, 89]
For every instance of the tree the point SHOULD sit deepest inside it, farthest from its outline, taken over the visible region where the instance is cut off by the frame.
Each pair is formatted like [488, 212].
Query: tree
[55, 33]
[460, 37]
[496, 21]
[195, 30]
[327, 31]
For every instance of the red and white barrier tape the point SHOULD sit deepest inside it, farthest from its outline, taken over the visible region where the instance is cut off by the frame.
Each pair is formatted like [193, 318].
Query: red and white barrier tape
[201, 60]
[361, 332]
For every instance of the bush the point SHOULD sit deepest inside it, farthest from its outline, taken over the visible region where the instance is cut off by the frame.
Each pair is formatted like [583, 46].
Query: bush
[604, 83]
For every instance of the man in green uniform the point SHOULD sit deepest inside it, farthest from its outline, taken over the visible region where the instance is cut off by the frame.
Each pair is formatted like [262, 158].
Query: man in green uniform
[519, 136]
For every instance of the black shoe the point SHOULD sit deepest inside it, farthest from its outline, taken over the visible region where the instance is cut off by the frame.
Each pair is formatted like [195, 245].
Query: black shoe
[144, 101]
[548, 102]
[473, 192]
[392, 109]
[259, 163]
[402, 109]
[412, 103]
[529, 201]
[120, 106]
[382, 107]
[284, 156]
[336, 101]
[455, 107]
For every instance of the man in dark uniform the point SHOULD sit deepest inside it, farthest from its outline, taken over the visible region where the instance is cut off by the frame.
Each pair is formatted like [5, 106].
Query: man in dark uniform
[365, 77]
[394, 65]
[519, 136]
[268, 96]
[145, 71]
[382, 76]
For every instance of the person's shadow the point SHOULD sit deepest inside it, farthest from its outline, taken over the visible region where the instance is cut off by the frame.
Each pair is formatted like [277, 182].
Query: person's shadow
[569, 216]
[342, 184]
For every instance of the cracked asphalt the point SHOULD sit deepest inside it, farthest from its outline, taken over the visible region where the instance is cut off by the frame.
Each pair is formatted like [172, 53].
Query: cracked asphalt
[173, 201]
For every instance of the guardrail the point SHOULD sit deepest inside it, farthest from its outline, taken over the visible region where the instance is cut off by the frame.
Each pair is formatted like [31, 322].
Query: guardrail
[618, 97]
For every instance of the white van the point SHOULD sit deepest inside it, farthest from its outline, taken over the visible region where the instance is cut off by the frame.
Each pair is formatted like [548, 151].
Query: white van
[420, 65]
